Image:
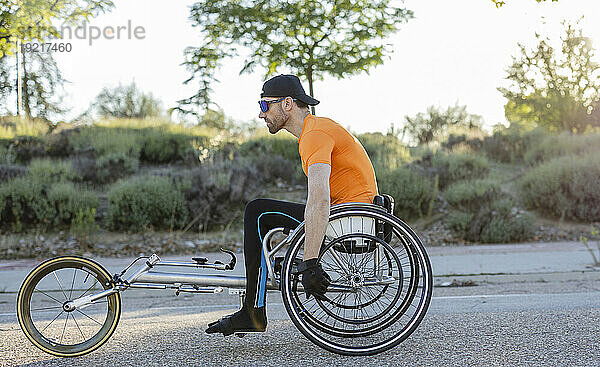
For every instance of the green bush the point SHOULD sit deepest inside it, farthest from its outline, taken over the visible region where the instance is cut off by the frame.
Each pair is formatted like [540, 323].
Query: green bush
[273, 168]
[68, 201]
[458, 166]
[47, 170]
[497, 222]
[412, 192]
[106, 140]
[25, 148]
[459, 221]
[161, 146]
[510, 144]
[141, 202]
[9, 172]
[507, 224]
[385, 151]
[470, 196]
[553, 146]
[113, 166]
[565, 187]
[217, 192]
[7, 156]
[28, 202]
[84, 224]
[23, 203]
[283, 145]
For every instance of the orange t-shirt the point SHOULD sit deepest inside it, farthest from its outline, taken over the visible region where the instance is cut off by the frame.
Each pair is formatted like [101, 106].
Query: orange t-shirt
[352, 175]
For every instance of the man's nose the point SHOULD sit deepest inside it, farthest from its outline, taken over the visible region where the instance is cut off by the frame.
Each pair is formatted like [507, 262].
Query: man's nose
[262, 115]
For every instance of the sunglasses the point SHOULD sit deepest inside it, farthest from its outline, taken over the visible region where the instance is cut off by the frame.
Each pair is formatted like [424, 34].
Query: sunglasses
[264, 105]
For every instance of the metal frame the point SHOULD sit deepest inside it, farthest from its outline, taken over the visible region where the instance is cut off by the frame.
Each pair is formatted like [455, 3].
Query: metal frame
[147, 277]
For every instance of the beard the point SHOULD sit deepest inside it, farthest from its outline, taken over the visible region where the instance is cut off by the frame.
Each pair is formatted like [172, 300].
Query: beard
[277, 122]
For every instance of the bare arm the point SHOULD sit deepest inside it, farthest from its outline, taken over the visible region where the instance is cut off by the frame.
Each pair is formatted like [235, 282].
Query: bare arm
[316, 214]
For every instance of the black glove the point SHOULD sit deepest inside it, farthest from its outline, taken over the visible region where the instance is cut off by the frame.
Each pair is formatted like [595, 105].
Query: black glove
[314, 279]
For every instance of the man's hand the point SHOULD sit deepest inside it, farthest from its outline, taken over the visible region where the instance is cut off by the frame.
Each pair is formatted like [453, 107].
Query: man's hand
[314, 279]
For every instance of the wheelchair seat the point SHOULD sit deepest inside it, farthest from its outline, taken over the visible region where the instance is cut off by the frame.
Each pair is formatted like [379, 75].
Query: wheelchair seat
[381, 231]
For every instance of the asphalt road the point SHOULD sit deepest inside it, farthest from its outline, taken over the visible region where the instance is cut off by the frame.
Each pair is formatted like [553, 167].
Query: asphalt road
[544, 318]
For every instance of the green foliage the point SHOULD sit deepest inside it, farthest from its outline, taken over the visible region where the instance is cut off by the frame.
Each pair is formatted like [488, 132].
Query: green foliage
[553, 146]
[113, 166]
[160, 146]
[342, 38]
[490, 220]
[23, 203]
[480, 214]
[109, 140]
[459, 221]
[68, 201]
[142, 202]
[507, 224]
[411, 191]
[285, 146]
[385, 151]
[84, 224]
[35, 19]
[555, 88]
[584, 240]
[433, 125]
[470, 196]
[458, 166]
[6, 155]
[565, 187]
[126, 102]
[510, 144]
[12, 127]
[271, 169]
[48, 171]
[28, 202]
[217, 191]
[214, 119]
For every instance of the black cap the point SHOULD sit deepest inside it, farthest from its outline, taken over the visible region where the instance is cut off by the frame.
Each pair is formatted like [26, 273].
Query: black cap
[284, 86]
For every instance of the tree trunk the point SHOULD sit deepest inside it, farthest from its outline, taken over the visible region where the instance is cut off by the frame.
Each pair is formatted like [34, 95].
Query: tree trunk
[309, 76]
[24, 87]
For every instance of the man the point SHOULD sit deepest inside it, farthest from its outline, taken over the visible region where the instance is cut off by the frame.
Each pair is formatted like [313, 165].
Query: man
[338, 171]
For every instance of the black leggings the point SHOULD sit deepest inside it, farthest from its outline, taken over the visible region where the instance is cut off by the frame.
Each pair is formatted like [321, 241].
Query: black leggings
[260, 216]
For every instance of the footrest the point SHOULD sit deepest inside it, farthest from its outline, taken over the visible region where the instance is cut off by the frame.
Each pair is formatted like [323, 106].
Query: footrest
[200, 260]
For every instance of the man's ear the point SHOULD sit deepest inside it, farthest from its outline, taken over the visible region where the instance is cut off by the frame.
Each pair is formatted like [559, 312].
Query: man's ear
[289, 104]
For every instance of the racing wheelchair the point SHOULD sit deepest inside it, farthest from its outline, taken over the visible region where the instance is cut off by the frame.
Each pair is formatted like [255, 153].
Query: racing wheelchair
[381, 286]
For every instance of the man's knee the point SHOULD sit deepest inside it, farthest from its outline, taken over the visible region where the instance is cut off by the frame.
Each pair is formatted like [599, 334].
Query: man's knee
[254, 207]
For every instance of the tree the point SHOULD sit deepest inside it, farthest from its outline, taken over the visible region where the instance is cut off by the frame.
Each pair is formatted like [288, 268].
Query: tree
[6, 85]
[42, 83]
[30, 20]
[308, 37]
[555, 88]
[433, 125]
[126, 102]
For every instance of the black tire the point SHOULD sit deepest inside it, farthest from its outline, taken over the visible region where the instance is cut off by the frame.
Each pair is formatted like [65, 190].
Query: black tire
[361, 335]
[40, 306]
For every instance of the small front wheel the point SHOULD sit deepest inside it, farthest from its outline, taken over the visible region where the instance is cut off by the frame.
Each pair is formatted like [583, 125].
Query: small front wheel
[56, 329]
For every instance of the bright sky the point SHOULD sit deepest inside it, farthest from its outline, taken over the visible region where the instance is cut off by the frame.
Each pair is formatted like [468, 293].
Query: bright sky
[452, 51]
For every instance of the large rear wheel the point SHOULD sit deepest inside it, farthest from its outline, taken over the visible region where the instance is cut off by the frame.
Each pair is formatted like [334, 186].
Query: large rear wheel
[381, 284]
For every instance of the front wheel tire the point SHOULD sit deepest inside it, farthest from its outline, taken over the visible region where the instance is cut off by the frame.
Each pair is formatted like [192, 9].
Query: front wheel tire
[45, 321]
